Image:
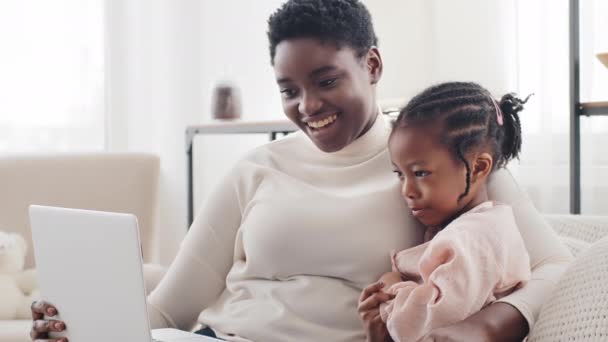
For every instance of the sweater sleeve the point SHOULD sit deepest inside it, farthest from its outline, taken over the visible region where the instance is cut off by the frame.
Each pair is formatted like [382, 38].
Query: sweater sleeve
[459, 275]
[197, 276]
[548, 256]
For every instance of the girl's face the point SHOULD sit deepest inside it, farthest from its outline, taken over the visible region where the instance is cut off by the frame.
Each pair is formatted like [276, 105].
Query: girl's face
[328, 92]
[432, 179]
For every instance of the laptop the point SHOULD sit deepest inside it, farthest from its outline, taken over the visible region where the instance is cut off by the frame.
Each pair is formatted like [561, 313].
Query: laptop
[89, 264]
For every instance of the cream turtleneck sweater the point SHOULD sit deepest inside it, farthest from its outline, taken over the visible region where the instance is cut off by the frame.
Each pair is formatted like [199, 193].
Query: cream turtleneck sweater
[284, 245]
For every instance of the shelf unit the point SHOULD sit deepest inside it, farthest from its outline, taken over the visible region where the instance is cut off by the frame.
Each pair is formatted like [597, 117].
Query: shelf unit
[272, 128]
[578, 109]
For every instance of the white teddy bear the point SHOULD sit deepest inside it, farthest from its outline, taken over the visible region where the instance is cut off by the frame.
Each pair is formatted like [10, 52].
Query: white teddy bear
[18, 288]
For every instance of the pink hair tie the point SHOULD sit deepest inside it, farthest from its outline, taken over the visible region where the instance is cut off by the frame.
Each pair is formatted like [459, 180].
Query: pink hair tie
[498, 112]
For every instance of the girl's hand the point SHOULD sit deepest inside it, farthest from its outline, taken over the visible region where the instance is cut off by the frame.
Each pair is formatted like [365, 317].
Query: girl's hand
[369, 312]
[41, 327]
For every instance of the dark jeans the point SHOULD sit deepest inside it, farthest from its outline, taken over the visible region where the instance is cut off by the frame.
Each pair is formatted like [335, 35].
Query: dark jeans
[206, 332]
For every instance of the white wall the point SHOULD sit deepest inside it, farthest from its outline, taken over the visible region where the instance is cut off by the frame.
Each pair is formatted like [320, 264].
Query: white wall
[233, 37]
[404, 33]
[235, 33]
[165, 56]
[154, 89]
[235, 48]
[475, 40]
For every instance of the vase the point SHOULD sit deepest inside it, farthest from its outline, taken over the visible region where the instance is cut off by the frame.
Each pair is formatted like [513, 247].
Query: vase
[226, 102]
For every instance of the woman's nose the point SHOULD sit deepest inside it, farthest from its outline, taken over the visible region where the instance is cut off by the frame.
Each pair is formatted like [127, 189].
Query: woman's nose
[310, 104]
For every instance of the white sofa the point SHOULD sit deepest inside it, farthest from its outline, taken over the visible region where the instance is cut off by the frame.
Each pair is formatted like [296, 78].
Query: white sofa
[578, 310]
[578, 307]
[99, 181]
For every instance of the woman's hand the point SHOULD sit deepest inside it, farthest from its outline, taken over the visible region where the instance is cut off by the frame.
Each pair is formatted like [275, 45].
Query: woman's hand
[458, 332]
[41, 327]
[498, 322]
[390, 278]
[369, 312]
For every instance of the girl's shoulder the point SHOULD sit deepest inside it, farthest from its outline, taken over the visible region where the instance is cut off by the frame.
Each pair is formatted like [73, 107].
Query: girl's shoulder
[489, 217]
[488, 209]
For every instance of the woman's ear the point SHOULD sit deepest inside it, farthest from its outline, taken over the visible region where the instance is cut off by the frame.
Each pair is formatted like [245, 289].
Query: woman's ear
[374, 64]
[482, 166]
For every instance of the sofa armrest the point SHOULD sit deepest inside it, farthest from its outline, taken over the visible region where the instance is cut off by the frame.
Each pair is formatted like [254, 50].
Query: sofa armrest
[153, 273]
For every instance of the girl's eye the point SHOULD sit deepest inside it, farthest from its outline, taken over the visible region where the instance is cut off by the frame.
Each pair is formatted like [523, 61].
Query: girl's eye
[398, 173]
[421, 173]
[328, 82]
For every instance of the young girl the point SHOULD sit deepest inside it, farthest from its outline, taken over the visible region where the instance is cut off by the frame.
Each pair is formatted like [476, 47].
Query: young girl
[443, 146]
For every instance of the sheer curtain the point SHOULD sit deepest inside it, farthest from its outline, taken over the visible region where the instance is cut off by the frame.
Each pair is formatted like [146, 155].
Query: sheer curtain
[543, 69]
[51, 75]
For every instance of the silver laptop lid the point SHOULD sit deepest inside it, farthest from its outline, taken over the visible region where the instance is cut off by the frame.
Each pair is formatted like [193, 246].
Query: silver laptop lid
[89, 266]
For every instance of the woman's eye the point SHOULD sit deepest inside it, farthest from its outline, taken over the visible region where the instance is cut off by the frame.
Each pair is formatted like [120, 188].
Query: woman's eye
[398, 173]
[421, 173]
[328, 82]
[288, 92]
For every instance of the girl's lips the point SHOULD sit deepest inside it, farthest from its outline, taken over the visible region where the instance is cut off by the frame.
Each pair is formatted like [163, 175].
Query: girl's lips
[417, 211]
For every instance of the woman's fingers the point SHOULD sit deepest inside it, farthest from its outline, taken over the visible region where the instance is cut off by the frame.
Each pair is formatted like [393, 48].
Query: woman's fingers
[39, 330]
[373, 301]
[41, 327]
[40, 308]
[370, 289]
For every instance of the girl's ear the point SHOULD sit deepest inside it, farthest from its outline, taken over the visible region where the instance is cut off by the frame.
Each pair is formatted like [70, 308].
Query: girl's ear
[482, 166]
[374, 64]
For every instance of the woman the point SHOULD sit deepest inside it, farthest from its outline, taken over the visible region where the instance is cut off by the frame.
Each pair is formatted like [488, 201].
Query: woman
[286, 243]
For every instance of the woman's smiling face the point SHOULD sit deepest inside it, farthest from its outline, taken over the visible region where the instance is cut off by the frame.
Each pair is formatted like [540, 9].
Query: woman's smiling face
[326, 90]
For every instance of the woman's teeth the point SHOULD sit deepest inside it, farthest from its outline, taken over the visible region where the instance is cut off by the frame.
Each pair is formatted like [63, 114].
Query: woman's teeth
[322, 123]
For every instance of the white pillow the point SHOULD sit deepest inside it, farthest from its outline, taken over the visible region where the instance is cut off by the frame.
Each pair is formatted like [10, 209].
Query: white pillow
[575, 246]
[578, 308]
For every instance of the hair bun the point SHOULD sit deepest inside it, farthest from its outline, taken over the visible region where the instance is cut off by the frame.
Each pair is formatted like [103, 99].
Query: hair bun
[511, 104]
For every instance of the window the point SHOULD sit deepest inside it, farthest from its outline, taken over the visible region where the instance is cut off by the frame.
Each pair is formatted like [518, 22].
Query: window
[543, 69]
[51, 75]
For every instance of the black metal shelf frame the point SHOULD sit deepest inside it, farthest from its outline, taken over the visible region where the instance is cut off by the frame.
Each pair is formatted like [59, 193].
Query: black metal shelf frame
[577, 109]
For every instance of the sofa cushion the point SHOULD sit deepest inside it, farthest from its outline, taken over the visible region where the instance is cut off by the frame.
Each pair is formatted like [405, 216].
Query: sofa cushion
[578, 307]
[15, 331]
[575, 246]
[587, 228]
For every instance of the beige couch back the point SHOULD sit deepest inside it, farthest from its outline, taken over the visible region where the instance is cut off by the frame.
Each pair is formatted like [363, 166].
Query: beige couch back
[126, 183]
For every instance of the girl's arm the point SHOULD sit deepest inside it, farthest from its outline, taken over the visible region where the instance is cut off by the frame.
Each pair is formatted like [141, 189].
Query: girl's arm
[460, 269]
[511, 318]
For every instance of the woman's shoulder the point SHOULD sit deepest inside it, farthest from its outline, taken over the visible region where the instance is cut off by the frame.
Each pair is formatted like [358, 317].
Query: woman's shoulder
[296, 146]
[293, 141]
[270, 154]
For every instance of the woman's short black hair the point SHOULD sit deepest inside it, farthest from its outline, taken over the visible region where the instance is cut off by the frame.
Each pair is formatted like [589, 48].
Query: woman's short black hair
[341, 22]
